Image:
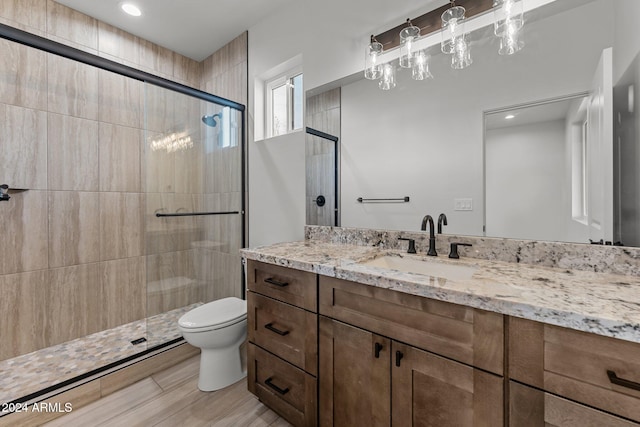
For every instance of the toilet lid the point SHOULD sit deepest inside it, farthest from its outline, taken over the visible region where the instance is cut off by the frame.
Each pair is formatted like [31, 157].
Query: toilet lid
[216, 314]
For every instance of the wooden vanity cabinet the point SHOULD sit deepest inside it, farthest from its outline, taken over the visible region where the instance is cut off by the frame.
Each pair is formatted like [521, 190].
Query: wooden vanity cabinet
[590, 369]
[354, 376]
[282, 354]
[363, 374]
[467, 335]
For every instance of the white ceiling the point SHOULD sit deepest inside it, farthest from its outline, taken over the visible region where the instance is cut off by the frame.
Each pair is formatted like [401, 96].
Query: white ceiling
[193, 28]
[528, 115]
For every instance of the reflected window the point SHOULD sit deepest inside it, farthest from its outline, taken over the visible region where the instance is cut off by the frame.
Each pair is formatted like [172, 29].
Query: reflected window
[284, 98]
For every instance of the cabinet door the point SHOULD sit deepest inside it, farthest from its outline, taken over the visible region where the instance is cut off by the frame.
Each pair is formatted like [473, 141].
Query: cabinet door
[355, 383]
[530, 407]
[429, 390]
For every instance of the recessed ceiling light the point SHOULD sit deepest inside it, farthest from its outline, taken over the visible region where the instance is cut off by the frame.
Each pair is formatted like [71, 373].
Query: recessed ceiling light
[131, 9]
[509, 117]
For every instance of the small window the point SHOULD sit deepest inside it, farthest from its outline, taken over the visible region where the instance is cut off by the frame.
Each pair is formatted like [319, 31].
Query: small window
[284, 100]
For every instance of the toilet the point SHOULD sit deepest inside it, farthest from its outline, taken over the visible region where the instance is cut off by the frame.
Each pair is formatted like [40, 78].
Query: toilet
[218, 328]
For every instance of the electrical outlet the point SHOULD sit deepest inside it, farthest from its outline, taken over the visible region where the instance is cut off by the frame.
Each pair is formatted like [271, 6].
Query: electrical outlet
[463, 204]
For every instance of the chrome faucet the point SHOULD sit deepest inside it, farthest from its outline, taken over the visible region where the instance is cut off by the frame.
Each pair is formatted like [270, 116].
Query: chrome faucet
[432, 236]
[442, 220]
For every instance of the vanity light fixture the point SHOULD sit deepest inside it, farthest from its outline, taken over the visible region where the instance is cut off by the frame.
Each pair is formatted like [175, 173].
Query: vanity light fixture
[509, 117]
[408, 37]
[508, 15]
[449, 20]
[130, 9]
[372, 68]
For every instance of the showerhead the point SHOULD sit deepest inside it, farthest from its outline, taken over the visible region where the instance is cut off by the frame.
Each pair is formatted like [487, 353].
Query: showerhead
[211, 119]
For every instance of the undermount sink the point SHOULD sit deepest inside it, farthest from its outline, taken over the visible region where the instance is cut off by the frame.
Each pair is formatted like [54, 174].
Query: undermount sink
[421, 266]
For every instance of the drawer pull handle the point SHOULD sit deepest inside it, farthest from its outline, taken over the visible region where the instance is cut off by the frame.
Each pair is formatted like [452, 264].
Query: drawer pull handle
[622, 382]
[399, 357]
[377, 350]
[280, 391]
[272, 281]
[270, 327]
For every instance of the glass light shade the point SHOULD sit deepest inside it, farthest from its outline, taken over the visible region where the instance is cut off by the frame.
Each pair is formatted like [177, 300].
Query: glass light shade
[461, 54]
[372, 69]
[388, 79]
[508, 17]
[452, 27]
[420, 68]
[510, 44]
[408, 36]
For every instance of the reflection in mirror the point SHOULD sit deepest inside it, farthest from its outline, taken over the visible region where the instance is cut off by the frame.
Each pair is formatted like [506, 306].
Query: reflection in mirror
[424, 139]
[545, 147]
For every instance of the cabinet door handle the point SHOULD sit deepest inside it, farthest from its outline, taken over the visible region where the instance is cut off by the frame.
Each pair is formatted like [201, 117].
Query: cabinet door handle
[275, 282]
[622, 382]
[399, 357]
[270, 327]
[269, 382]
[377, 348]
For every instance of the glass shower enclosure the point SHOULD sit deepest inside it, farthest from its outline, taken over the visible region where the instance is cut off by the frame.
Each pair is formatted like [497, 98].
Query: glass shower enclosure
[194, 205]
[126, 209]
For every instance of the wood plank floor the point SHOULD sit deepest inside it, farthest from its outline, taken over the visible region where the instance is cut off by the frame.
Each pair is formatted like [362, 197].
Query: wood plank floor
[171, 398]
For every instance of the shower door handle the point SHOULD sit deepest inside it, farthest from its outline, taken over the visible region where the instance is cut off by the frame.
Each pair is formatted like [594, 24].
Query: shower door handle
[320, 201]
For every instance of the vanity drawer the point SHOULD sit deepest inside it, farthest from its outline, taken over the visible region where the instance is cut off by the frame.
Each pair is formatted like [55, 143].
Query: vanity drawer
[284, 330]
[295, 287]
[599, 371]
[282, 387]
[529, 407]
[468, 335]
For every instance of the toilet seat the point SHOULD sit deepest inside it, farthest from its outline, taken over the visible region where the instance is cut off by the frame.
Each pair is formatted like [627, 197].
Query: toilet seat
[214, 315]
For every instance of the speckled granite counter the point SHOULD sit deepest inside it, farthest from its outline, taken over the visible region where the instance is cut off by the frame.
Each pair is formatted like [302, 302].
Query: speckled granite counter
[601, 303]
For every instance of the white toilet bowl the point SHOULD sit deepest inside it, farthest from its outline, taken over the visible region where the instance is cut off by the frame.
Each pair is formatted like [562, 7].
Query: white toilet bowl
[219, 328]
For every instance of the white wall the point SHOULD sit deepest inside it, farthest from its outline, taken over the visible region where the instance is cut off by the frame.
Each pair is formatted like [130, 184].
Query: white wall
[526, 186]
[276, 205]
[424, 139]
[276, 165]
[627, 35]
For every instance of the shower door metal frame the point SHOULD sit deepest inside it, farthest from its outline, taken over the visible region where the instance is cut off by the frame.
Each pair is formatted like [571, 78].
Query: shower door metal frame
[31, 40]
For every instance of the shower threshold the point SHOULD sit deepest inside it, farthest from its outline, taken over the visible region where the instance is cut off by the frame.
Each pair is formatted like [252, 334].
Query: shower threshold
[23, 377]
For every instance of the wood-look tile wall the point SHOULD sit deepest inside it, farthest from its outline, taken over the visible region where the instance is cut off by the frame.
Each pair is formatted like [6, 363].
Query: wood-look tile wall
[323, 114]
[82, 250]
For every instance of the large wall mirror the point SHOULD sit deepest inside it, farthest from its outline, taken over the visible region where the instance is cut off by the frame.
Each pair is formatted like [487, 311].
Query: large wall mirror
[566, 168]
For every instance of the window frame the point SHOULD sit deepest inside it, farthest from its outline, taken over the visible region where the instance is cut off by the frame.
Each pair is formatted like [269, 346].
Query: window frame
[285, 78]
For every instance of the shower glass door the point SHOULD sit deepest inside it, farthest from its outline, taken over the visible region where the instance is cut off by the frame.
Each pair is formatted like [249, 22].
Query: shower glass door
[194, 227]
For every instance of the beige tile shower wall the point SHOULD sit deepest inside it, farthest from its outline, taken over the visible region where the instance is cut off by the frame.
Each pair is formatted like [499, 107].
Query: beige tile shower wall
[73, 251]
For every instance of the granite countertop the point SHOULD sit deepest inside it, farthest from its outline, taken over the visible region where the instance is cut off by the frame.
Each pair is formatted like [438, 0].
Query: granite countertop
[604, 304]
